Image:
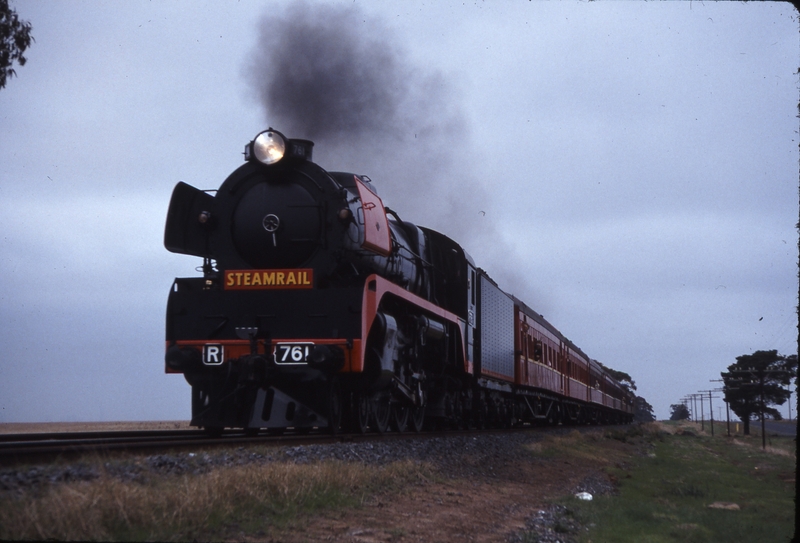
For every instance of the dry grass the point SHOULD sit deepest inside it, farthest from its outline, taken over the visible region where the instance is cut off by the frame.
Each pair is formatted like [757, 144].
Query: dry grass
[576, 445]
[193, 506]
[599, 447]
[783, 446]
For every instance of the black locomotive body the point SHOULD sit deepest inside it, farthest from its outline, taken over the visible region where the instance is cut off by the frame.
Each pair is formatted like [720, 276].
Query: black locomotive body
[319, 307]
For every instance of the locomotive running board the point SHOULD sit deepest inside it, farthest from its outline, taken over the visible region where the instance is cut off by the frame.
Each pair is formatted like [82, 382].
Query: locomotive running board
[274, 408]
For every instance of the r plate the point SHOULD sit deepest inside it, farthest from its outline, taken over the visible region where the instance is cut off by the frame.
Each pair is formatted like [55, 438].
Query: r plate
[213, 354]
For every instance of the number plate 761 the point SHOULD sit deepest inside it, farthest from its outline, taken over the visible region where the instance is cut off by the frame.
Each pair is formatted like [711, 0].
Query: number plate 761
[292, 353]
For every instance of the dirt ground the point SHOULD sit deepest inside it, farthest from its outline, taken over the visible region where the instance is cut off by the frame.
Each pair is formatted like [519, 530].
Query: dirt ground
[479, 509]
[456, 510]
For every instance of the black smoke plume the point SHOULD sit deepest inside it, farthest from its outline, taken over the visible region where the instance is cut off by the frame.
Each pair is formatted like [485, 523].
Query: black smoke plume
[335, 76]
[330, 73]
[324, 73]
[341, 78]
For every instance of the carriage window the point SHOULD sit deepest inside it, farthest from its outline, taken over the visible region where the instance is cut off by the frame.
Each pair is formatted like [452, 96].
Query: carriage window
[537, 350]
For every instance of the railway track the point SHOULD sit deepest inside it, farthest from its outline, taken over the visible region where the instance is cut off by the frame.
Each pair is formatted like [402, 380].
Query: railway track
[25, 447]
[17, 448]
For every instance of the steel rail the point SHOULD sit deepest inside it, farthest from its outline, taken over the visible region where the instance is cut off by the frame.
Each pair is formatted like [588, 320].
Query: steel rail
[26, 447]
[50, 436]
[21, 448]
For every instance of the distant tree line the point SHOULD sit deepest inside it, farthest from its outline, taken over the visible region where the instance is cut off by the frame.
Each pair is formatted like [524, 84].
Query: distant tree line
[679, 411]
[642, 411]
[752, 386]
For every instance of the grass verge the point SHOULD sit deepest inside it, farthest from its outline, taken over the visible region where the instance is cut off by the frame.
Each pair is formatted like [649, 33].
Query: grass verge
[690, 488]
[187, 507]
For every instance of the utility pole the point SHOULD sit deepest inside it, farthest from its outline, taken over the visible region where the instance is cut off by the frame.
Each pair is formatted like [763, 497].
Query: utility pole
[710, 409]
[702, 414]
[761, 377]
[687, 403]
[693, 398]
[726, 404]
[725, 388]
[728, 413]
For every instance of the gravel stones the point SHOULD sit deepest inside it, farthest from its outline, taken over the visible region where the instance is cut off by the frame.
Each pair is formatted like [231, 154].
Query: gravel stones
[456, 455]
[554, 524]
[11, 479]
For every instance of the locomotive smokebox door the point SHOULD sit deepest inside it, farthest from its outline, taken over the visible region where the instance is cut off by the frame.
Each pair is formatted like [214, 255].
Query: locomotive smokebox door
[189, 220]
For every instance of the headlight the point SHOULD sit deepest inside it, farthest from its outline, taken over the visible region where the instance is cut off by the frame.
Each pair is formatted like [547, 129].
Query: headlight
[268, 147]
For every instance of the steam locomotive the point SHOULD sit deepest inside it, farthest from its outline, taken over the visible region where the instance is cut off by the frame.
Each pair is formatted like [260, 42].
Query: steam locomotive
[319, 307]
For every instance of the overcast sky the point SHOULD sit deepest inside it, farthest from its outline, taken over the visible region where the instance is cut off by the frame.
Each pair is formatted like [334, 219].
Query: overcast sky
[628, 169]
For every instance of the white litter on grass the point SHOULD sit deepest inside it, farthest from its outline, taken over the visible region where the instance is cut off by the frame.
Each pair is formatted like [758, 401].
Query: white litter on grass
[725, 505]
[584, 496]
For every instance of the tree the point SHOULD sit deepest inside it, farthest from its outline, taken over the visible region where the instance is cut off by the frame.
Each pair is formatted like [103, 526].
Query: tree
[15, 38]
[757, 381]
[623, 378]
[643, 411]
[678, 411]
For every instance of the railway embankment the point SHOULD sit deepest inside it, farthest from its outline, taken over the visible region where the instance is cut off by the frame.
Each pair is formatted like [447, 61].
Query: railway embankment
[516, 486]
